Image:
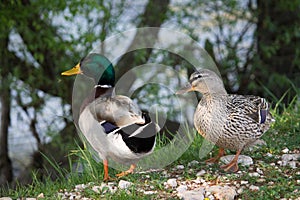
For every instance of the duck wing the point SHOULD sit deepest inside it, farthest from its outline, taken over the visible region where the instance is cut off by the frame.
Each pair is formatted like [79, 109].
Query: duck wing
[249, 111]
[118, 110]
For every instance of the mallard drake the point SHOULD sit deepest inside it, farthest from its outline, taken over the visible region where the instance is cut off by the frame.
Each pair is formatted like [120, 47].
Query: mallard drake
[112, 124]
[228, 120]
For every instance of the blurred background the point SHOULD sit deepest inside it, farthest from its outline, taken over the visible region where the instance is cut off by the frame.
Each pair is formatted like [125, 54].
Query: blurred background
[254, 43]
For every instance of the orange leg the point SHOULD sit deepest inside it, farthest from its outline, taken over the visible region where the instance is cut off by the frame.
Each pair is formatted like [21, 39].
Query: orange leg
[129, 171]
[233, 165]
[106, 176]
[216, 158]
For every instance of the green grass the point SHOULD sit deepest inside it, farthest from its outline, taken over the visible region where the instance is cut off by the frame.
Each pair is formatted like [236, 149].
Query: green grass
[285, 133]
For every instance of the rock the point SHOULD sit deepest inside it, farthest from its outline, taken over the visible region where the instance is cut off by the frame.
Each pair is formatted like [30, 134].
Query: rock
[240, 190]
[197, 194]
[259, 171]
[298, 182]
[243, 160]
[124, 184]
[286, 150]
[180, 167]
[5, 198]
[150, 192]
[254, 174]
[105, 187]
[290, 157]
[260, 180]
[41, 195]
[181, 188]
[172, 182]
[253, 188]
[222, 192]
[292, 164]
[244, 182]
[193, 163]
[201, 173]
[96, 189]
[269, 155]
[30, 198]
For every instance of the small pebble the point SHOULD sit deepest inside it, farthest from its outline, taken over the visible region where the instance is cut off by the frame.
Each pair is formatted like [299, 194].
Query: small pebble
[201, 173]
[150, 192]
[124, 184]
[260, 180]
[244, 182]
[269, 154]
[254, 188]
[298, 181]
[259, 171]
[181, 188]
[41, 195]
[172, 182]
[240, 190]
[193, 163]
[286, 150]
[180, 167]
[254, 174]
[96, 188]
[292, 164]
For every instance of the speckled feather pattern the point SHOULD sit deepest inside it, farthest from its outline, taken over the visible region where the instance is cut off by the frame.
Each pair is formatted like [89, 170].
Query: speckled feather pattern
[228, 120]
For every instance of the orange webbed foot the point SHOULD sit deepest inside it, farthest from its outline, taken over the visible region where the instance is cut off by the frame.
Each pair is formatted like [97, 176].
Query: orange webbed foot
[216, 158]
[125, 173]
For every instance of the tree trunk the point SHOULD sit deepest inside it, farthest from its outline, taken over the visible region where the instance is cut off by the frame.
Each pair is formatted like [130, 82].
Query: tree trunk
[6, 174]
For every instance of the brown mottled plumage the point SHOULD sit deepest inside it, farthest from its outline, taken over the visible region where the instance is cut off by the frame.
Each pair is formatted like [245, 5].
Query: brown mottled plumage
[230, 121]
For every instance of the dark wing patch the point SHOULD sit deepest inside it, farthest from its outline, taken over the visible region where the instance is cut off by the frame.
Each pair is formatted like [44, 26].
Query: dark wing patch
[108, 127]
[144, 140]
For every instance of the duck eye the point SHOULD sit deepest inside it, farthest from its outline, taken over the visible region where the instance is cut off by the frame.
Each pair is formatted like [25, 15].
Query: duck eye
[198, 76]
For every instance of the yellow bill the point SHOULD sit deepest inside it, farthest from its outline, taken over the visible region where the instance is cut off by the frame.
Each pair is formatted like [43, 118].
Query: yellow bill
[185, 89]
[73, 71]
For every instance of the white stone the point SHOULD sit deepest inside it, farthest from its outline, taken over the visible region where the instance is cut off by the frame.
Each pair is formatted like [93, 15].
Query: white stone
[260, 180]
[254, 188]
[201, 173]
[269, 155]
[172, 182]
[180, 167]
[150, 192]
[298, 181]
[244, 182]
[290, 157]
[5, 198]
[193, 163]
[197, 194]
[292, 164]
[181, 188]
[30, 198]
[285, 150]
[254, 174]
[258, 170]
[41, 195]
[223, 192]
[240, 190]
[124, 184]
[243, 160]
[96, 188]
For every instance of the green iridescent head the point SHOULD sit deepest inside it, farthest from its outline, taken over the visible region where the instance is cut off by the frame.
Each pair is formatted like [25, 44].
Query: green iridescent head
[97, 67]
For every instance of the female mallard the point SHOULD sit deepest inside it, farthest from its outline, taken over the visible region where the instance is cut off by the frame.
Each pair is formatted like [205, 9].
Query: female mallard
[112, 124]
[230, 121]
